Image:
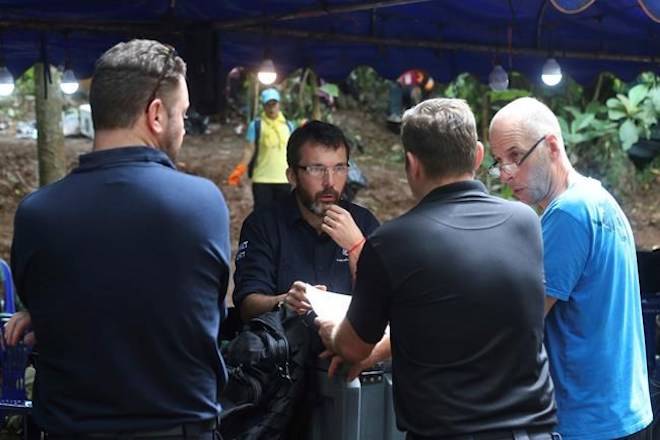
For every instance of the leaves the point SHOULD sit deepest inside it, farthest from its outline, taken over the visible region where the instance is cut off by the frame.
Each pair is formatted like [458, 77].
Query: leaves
[331, 89]
[636, 95]
[628, 134]
[654, 96]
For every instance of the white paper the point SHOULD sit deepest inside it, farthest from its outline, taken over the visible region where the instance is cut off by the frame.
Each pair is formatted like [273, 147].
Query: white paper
[328, 305]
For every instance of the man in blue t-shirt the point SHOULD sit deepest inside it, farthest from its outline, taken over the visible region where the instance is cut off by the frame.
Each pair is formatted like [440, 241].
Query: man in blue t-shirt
[593, 331]
[123, 266]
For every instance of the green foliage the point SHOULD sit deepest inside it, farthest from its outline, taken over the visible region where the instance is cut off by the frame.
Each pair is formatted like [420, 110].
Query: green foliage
[18, 106]
[585, 126]
[298, 91]
[469, 88]
[636, 113]
[25, 83]
[369, 90]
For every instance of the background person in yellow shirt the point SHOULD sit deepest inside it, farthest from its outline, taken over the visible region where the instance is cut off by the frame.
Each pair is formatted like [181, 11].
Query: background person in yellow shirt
[264, 157]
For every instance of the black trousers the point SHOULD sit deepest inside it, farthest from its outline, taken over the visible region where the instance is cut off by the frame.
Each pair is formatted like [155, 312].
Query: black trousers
[203, 436]
[266, 193]
[206, 430]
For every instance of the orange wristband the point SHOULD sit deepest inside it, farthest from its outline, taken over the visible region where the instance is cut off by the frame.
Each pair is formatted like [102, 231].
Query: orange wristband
[356, 245]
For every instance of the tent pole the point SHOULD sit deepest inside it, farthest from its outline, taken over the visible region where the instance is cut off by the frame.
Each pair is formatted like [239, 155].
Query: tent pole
[466, 47]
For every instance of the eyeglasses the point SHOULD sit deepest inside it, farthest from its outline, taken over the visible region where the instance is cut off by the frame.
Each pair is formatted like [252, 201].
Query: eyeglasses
[171, 56]
[496, 169]
[319, 171]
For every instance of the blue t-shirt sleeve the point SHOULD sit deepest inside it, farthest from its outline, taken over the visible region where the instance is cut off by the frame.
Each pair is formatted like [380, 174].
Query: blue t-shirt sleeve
[368, 312]
[255, 268]
[251, 134]
[565, 249]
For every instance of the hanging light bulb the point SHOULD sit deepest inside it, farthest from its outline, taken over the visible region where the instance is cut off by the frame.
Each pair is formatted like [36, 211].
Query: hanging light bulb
[498, 79]
[69, 83]
[267, 74]
[551, 74]
[6, 81]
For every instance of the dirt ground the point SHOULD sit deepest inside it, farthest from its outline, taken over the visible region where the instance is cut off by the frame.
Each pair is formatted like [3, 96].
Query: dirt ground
[213, 156]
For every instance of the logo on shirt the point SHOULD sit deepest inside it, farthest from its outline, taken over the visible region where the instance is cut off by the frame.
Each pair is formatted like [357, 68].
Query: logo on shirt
[344, 257]
[242, 247]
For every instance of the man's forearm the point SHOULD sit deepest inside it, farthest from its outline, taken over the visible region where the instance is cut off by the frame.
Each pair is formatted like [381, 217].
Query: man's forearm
[248, 152]
[257, 303]
[382, 351]
[346, 343]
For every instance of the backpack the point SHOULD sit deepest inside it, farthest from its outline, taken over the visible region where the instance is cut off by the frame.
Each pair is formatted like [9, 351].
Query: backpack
[268, 364]
[257, 135]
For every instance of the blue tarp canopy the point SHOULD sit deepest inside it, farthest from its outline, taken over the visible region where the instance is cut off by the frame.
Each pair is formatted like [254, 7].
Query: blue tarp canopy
[445, 37]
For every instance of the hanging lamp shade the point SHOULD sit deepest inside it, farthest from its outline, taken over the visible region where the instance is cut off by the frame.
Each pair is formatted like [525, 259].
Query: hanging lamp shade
[498, 79]
[6, 81]
[69, 83]
[267, 74]
[551, 74]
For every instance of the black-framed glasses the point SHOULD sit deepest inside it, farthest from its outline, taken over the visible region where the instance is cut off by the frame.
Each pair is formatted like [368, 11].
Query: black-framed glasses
[319, 171]
[171, 56]
[496, 169]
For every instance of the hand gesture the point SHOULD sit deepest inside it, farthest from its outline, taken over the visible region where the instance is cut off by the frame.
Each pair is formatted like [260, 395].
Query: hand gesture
[19, 326]
[296, 299]
[340, 226]
[336, 361]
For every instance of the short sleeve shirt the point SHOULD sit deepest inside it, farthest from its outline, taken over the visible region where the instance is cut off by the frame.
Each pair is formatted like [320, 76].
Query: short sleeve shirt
[594, 332]
[459, 278]
[124, 266]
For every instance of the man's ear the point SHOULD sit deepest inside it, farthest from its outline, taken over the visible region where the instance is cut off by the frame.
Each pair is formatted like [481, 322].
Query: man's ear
[413, 165]
[554, 146]
[479, 156]
[155, 114]
[291, 177]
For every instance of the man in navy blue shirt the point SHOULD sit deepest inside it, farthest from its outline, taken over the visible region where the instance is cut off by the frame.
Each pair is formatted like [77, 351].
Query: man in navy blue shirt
[311, 237]
[123, 266]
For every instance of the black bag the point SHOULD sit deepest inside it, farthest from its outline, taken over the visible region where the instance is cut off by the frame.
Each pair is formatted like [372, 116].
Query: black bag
[268, 365]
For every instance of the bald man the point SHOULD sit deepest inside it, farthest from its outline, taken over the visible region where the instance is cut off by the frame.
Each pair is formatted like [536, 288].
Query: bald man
[593, 331]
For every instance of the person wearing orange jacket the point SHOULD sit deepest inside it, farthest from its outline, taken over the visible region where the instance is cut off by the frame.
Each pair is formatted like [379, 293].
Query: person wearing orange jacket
[264, 156]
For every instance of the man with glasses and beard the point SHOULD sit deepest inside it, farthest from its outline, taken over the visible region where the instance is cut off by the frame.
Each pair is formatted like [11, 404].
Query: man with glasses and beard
[593, 323]
[311, 237]
[123, 266]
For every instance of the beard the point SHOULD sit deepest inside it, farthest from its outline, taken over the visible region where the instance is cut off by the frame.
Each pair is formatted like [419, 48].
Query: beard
[314, 203]
[171, 143]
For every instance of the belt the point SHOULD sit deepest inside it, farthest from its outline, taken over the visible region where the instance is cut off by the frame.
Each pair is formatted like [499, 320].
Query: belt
[184, 430]
[515, 434]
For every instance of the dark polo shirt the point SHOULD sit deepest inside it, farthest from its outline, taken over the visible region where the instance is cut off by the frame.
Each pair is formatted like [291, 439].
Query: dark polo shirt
[460, 280]
[124, 266]
[277, 247]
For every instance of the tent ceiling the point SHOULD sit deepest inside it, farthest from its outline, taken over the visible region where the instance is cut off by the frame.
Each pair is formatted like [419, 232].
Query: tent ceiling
[335, 36]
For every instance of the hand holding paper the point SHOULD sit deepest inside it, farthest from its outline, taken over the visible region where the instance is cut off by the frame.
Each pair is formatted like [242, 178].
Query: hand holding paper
[328, 305]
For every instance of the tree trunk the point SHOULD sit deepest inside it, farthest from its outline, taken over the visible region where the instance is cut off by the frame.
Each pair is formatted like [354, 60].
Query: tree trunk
[50, 139]
[316, 101]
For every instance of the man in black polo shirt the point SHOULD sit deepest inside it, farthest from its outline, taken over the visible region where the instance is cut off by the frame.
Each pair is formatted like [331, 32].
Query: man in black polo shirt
[123, 266]
[310, 237]
[459, 280]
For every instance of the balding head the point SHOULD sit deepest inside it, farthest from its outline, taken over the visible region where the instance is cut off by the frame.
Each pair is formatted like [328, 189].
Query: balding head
[530, 117]
[526, 142]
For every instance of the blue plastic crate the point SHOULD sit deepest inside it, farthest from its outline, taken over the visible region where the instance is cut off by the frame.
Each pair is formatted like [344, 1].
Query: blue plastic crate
[13, 360]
